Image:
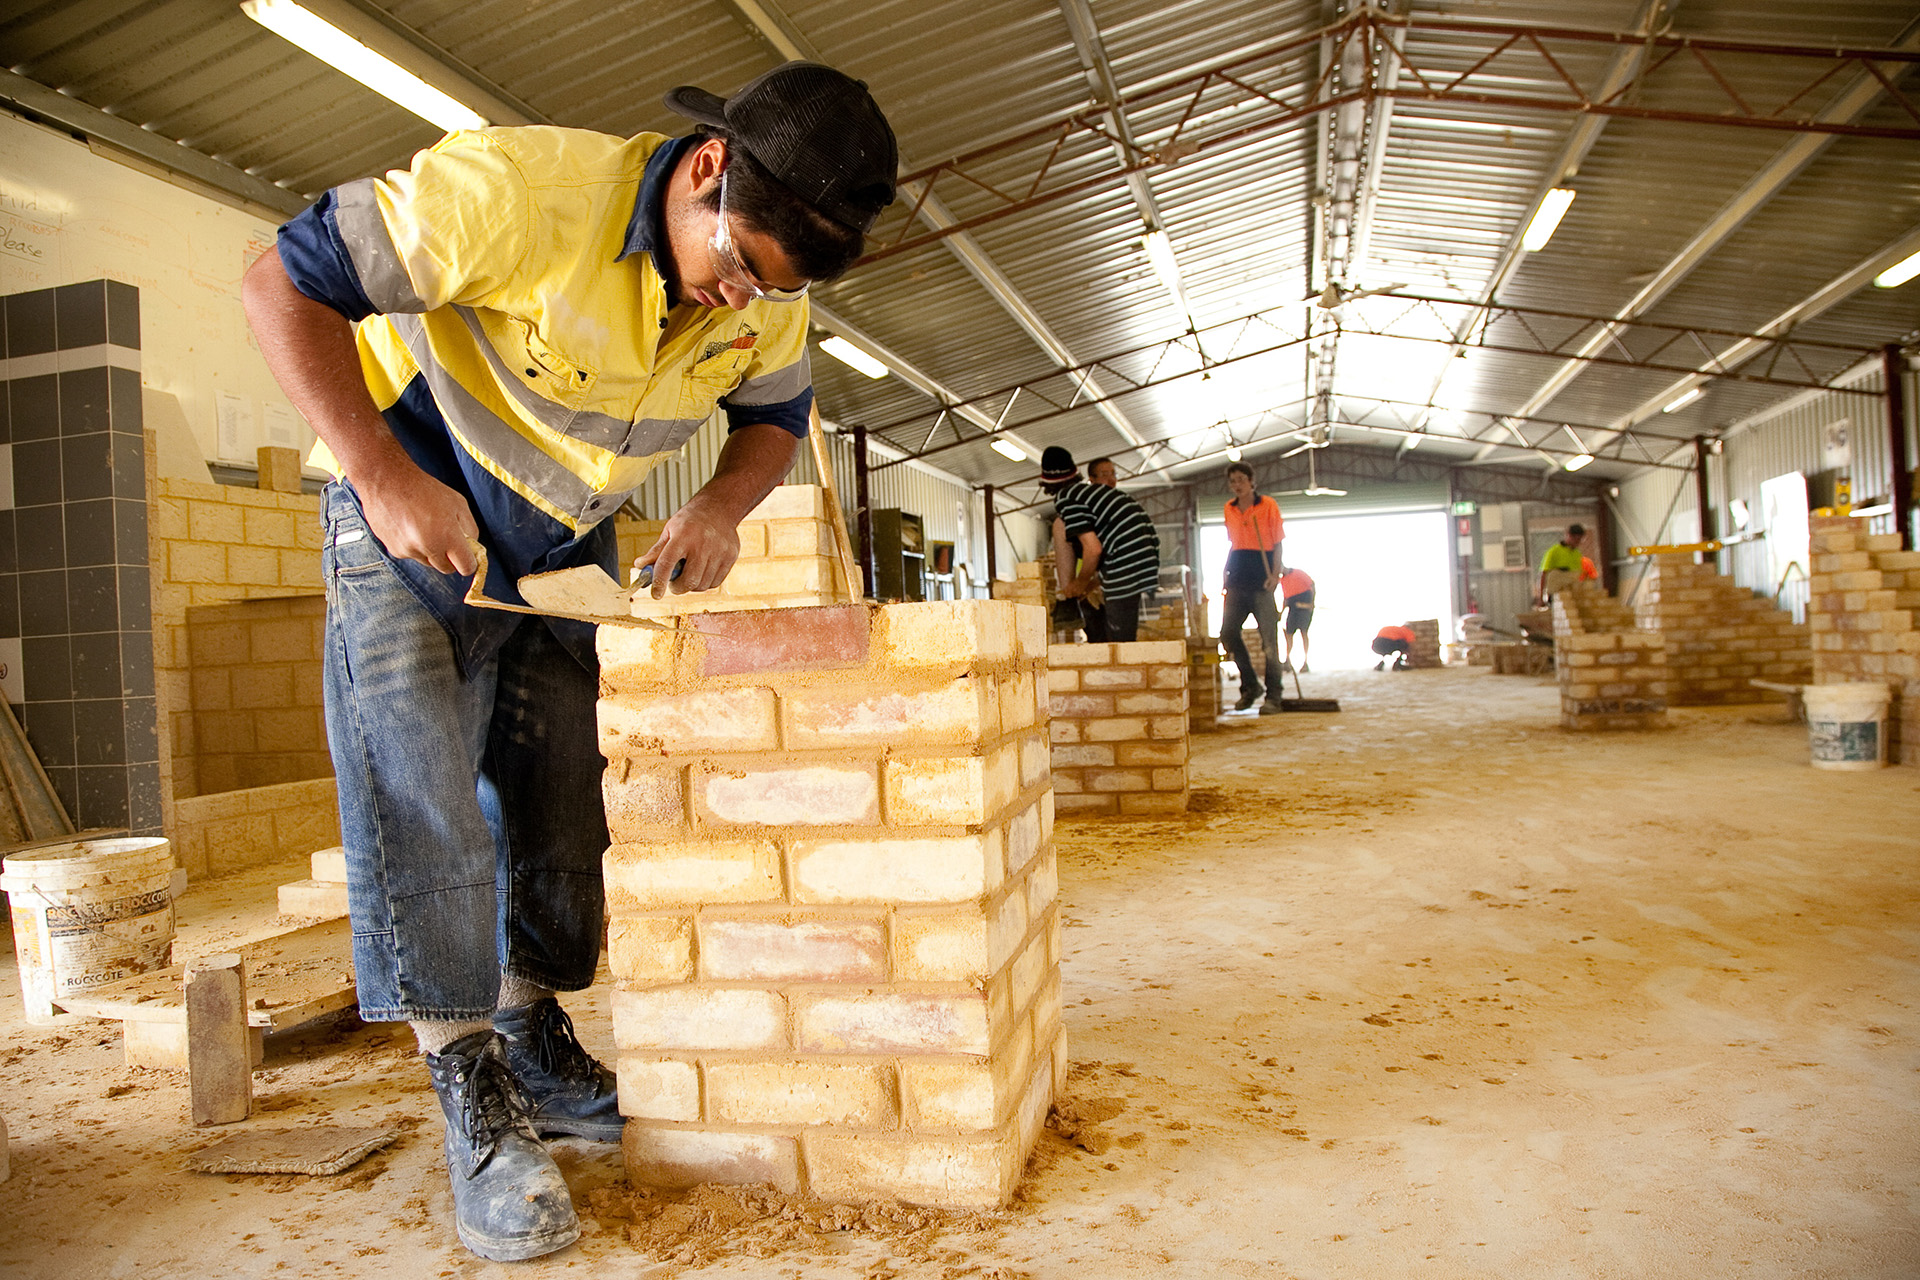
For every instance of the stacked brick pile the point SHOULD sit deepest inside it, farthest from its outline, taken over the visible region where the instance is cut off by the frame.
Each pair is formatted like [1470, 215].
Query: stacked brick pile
[1032, 583]
[1119, 728]
[1426, 642]
[833, 928]
[787, 558]
[1612, 674]
[1864, 592]
[1719, 636]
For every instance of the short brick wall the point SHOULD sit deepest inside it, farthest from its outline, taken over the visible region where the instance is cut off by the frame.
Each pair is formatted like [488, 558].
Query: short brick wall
[257, 716]
[787, 559]
[833, 929]
[1612, 675]
[1119, 728]
[1719, 636]
[219, 833]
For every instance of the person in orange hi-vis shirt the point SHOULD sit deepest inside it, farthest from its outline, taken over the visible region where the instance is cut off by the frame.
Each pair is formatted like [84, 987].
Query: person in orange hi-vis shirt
[1397, 641]
[1296, 593]
[1589, 572]
[1254, 529]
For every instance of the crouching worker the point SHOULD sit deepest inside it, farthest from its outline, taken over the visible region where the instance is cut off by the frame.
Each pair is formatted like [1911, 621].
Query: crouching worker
[1393, 644]
[495, 346]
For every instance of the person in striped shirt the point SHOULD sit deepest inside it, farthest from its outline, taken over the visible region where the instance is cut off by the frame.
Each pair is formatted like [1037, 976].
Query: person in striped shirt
[1117, 548]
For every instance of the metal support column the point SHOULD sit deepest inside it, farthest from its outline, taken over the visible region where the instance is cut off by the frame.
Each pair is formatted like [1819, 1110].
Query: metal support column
[993, 539]
[1899, 456]
[862, 505]
[1702, 491]
[1603, 543]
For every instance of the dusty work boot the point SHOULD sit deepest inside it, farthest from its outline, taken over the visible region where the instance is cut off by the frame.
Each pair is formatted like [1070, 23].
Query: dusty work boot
[1248, 697]
[1271, 707]
[509, 1200]
[567, 1091]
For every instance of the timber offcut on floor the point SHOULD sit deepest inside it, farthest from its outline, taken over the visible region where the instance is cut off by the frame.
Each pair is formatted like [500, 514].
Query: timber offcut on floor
[1426, 987]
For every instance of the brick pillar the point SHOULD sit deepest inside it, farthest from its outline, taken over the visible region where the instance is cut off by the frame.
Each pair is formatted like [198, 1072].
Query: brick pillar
[831, 890]
[1612, 675]
[1119, 728]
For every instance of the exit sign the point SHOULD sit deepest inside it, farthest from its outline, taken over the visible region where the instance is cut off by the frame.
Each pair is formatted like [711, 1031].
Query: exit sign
[1465, 508]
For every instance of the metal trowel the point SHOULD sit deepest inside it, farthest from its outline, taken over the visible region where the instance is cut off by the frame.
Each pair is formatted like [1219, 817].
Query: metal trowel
[585, 594]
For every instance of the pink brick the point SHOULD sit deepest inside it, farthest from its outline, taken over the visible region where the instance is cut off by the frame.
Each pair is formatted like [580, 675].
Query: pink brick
[801, 951]
[783, 640]
[963, 711]
[789, 795]
[711, 720]
[695, 1018]
[891, 1022]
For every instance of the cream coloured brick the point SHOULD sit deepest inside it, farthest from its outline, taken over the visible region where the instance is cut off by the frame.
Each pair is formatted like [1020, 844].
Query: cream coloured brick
[1016, 702]
[951, 791]
[216, 522]
[1029, 969]
[1043, 885]
[657, 1089]
[811, 576]
[1167, 727]
[942, 948]
[1033, 760]
[1169, 779]
[640, 877]
[799, 538]
[1059, 731]
[1134, 754]
[1063, 679]
[792, 502]
[696, 1018]
[1006, 928]
[680, 1158]
[1113, 678]
[964, 710]
[802, 1093]
[1147, 704]
[951, 1172]
[1080, 655]
[650, 949]
[1023, 839]
[794, 795]
[253, 566]
[270, 528]
[1097, 755]
[196, 562]
[928, 869]
[1030, 628]
[1101, 780]
[709, 720]
[635, 658]
[780, 950]
[966, 1096]
[891, 1022]
[1117, 729]
[639, 802]
[946, 632]
[1144, 652]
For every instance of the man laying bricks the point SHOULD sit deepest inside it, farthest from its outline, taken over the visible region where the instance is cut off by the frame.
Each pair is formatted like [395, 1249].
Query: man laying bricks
[495, 346]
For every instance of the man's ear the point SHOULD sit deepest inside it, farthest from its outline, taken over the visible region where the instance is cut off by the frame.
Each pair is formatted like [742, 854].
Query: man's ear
[706, 161]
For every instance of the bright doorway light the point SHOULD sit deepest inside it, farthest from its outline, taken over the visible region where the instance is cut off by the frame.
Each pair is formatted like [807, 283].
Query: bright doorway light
[1009, 450]
[1369, 571]
[853, 357]
[1899, 273]
[1547, 220]
[376, 71]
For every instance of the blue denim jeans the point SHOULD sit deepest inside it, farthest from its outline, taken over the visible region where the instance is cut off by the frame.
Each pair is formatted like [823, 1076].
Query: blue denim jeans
[470, 804]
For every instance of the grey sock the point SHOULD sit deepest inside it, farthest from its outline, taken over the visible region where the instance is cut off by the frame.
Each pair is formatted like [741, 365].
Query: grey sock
[435, 1036]
[518, 993]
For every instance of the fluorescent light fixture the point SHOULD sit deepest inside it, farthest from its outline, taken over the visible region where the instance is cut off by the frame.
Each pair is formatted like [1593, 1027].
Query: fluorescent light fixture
[1541, 229]
[1413, 440]
[1233, 453]
[1166, 266]
[1009, 450]
[1899, 273]
[1867, 513]
[376, 71]
[853, 357]
[1682, 400]
[1578, 461]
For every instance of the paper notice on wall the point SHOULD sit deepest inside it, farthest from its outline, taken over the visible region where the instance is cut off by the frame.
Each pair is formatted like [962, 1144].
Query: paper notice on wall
[1493, 556]
[234, 418]
[1836, 445]
[282, 426]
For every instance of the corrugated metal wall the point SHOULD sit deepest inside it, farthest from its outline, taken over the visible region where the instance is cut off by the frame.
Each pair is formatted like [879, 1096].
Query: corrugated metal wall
[944, 507]
[1781, 441]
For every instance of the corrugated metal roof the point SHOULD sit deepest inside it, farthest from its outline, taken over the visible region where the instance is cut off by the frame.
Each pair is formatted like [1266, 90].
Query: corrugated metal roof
[1455, 183]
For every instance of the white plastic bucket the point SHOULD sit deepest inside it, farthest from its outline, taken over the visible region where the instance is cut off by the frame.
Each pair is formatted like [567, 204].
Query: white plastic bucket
[1847, 725]
[86, 913]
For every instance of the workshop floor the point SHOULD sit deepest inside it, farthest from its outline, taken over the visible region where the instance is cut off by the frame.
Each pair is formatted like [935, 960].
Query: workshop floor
[1427, 987]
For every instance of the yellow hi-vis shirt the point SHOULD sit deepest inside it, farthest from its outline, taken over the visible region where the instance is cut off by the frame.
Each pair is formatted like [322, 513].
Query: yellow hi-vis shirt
[513, 270]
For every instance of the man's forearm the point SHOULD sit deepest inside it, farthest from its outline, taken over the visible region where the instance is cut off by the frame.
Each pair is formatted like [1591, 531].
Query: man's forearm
[752, 462]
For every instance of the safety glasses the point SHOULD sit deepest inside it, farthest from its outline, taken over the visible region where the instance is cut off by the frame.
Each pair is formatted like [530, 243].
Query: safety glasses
[732, 269]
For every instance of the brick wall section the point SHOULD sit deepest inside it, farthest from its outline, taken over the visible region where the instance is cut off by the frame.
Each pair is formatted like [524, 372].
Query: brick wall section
[1426, 642]
[215, 544]
[1203, 684]
[833, 929]
[1612, 674]
[1032, 583]
[216, 833]
[1864, 592]
[787, 558]
[1119, 728]
[1719, 635]
[258, 713]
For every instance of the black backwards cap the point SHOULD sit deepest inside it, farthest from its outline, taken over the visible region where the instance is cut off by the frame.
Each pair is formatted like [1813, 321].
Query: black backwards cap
[816, 129]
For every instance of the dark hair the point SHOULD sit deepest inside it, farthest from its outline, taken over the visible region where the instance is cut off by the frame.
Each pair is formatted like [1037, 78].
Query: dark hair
[1576, 531]
[1097, 461]
[819, 247]
[1242, 468]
